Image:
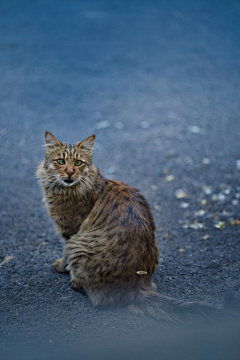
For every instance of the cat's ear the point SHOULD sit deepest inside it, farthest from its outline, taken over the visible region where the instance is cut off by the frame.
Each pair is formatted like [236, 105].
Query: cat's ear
[87, 144]
[51, 140]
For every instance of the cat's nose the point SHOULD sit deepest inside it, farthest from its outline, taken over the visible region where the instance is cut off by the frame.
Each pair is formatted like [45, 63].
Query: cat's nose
[70, 171]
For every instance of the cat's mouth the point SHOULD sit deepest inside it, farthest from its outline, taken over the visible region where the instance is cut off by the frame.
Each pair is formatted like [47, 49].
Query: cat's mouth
[68, 181]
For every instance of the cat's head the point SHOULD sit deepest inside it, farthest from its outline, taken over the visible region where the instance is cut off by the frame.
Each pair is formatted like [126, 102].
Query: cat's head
[68, 164]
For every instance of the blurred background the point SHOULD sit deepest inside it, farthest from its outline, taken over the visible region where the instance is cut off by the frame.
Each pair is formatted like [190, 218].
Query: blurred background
[158, 82]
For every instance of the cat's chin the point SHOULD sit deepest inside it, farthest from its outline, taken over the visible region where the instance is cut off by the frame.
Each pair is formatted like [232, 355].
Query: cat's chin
[69, 183]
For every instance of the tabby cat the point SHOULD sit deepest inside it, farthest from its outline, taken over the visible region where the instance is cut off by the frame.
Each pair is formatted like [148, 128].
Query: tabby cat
[110, 248]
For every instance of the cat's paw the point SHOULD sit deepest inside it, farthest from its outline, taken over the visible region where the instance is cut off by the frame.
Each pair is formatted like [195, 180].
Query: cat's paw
[60, 266]
[75, 285]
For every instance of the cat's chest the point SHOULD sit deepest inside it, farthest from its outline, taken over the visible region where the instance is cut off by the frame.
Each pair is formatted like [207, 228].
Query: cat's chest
[68, 214]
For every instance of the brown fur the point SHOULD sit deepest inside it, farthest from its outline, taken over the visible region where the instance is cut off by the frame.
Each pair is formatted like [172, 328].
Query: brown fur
[110, 247]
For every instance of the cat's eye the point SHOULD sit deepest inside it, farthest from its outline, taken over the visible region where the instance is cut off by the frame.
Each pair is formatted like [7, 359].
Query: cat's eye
[78, 162]
[61, 161]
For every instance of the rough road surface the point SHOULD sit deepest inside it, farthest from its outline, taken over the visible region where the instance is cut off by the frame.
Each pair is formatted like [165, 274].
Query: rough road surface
[158, 82]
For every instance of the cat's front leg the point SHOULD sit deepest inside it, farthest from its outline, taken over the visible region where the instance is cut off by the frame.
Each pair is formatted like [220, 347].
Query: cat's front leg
[61, 264]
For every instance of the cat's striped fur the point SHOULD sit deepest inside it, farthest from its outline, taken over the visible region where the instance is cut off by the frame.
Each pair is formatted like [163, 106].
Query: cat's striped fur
[110, 247]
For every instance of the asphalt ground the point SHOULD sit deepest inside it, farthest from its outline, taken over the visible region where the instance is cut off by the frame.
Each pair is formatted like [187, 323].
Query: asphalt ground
[158, 82]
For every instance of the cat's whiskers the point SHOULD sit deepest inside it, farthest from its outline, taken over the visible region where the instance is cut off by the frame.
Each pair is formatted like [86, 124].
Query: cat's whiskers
[88, 183]
[52, 181]
[89, 180]
[84, 188]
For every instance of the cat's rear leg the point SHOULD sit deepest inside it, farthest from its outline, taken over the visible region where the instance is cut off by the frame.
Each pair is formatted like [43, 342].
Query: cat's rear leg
[77, 286]
[75, 283]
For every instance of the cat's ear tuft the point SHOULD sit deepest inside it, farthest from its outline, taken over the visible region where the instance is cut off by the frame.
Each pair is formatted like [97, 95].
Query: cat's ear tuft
[87, 144]
[51, 140]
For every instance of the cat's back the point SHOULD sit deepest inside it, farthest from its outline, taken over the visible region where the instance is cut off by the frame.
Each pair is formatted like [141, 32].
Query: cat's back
[121, 206]
[119, 236]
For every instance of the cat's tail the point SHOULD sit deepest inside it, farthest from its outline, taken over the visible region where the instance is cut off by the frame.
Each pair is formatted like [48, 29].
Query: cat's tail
[153, 304]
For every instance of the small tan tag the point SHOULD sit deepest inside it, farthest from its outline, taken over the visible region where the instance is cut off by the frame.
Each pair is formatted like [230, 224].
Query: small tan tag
[141, 272]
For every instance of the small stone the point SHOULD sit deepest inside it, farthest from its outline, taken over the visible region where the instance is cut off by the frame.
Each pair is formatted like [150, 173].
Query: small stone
[6, 260]
[200, 212]
[206, 237]
[226, 191]
[144, 124]
[184, 205]
[219, 225]
[206, 161]
[181, 250]
[235, 202]
[203, 202]
[102, 124]
[119, 125]
[153, 187]
[181, 194]
[207, 190]
[214, 197]
[194, 129]
[170, 178]
[221, 197]
[194, 225]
